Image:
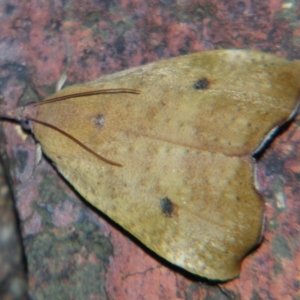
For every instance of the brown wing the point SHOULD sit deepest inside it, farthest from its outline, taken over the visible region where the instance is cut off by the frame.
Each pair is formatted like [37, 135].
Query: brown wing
[186, 188]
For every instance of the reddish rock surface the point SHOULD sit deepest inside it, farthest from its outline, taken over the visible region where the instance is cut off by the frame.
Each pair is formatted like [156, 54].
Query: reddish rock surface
[73, 251]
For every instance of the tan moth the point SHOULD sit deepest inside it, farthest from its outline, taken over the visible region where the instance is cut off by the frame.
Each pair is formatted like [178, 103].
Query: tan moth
[166, 150]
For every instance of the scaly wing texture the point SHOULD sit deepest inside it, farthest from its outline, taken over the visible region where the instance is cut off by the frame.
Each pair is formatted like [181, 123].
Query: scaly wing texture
[186, 188]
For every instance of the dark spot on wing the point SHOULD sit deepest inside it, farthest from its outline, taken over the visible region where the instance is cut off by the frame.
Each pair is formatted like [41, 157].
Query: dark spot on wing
[167, 207]
[201, 84]
[99, 120]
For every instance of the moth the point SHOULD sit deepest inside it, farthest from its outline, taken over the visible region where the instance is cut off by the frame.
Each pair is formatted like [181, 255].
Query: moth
[168, 150]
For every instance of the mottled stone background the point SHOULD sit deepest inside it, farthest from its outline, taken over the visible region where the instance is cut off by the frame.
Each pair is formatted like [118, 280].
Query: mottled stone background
[70, 250]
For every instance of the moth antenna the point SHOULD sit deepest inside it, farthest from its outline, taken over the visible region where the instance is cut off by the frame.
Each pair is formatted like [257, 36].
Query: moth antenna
[90, 93]
[76, 141]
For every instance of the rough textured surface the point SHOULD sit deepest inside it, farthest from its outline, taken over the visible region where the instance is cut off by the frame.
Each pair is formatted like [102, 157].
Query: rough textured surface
[102, 38]
[13, 281]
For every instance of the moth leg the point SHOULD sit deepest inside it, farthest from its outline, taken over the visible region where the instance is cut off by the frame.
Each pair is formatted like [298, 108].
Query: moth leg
[61, 81]
[63, 78]
[38, 154]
